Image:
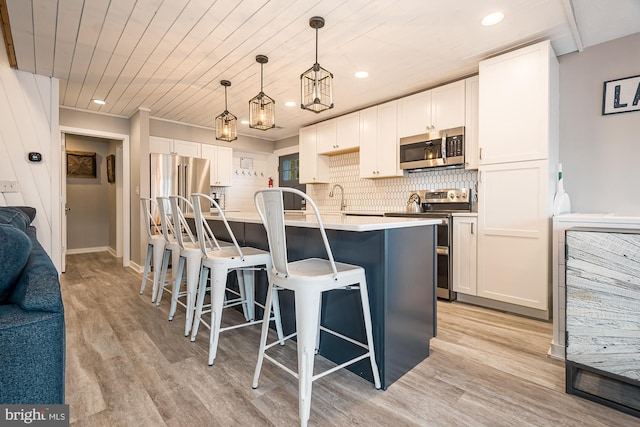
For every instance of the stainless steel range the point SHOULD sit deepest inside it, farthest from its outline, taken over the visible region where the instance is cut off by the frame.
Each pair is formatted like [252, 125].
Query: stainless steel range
[440, 204]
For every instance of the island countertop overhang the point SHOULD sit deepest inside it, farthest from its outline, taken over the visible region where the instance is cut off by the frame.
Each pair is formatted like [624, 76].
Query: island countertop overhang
[332, 221]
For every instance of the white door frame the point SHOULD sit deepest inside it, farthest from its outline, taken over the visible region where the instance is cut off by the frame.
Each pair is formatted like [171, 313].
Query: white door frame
[123, 203]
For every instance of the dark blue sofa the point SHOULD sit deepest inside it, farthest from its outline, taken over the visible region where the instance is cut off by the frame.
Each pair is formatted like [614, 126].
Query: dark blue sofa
[32, 334]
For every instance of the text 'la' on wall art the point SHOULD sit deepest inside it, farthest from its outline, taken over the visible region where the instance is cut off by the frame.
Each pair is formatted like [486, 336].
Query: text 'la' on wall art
[81, 164]
[621, 95]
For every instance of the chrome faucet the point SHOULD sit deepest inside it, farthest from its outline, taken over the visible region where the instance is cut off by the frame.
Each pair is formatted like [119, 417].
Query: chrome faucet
[343, 203]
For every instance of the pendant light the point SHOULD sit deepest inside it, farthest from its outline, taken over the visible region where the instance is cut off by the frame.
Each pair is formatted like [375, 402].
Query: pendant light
[316, 84]
[226, 123]
[262, 113]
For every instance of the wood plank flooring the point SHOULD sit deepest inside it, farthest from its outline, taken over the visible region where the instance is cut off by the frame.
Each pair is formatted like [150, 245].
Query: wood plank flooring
[127, 365]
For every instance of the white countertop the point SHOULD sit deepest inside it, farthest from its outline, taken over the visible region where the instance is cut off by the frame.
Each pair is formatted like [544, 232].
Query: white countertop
[334, 220]
[465, 214]
[600, 219]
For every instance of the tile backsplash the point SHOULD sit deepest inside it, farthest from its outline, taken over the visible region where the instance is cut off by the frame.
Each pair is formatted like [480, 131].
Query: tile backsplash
[366, 195]
[386, 194]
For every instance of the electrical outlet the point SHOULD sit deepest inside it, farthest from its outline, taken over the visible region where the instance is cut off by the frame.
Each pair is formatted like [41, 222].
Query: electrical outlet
[8, 186]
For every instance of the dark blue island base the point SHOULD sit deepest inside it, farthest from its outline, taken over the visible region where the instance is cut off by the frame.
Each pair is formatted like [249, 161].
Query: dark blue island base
[401, 274]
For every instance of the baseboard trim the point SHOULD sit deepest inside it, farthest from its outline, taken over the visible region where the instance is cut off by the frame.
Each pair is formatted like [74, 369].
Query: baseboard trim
[87, 250]
[504, 306]
[112, 252]
[137, 268]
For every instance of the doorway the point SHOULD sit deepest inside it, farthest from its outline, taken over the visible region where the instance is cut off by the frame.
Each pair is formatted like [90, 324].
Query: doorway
[119, 222]
[288, 171]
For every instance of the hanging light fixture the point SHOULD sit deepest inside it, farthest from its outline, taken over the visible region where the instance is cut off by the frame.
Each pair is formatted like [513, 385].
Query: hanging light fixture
[316, 84]
[226, 123]
[262, 112]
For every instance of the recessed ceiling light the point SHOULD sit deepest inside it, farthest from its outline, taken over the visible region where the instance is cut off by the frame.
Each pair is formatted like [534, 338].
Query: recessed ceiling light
[492, 19]
[99, 101]
[361, 74]
[290, 104]
[244, 122]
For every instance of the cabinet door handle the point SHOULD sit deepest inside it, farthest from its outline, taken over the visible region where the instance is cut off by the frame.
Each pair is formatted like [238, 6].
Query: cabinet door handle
[471, 228]
[480, 154]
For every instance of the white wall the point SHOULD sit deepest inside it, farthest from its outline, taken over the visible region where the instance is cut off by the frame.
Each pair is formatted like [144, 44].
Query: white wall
[29, 122]
[600, 155]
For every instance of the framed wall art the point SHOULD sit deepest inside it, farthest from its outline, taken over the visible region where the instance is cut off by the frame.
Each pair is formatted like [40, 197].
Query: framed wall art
[621, 95]
[111, 168]
[81, 164]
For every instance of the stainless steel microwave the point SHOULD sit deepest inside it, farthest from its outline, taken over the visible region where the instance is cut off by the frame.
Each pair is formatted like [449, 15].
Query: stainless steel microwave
[439, 149]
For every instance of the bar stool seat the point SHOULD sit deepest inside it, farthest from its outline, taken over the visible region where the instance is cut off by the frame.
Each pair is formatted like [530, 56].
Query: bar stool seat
[308, 279]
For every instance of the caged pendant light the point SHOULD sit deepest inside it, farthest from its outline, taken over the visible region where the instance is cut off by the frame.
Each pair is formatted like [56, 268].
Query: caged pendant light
[226, 123]
[316, 84]
[262, 112]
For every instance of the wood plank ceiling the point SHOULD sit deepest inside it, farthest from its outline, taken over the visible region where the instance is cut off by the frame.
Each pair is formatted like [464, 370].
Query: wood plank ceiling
[170, 55]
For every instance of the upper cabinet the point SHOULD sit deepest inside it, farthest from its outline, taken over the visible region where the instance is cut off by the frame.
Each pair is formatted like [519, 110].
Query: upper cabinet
[518, 105]
[379, 149]
[168, 146]
[339, 135]
[314, 168]
[471, 123]
[220, 162]
[435, 109]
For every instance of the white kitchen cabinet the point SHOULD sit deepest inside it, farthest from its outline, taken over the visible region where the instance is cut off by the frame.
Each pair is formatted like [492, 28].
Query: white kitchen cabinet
[339, 135]
[187, 148]
[220, 163]
[465, 257]
[514, 210]
[414, 114]
[379, 149]
[448, 105]
[472, 87]
[314, 168]
[167, 146]
[518, 105]
[326, 137]
[160, 145]
[439, 108]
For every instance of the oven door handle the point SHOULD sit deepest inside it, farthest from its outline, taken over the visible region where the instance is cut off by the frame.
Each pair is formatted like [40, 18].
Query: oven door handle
[441, 250]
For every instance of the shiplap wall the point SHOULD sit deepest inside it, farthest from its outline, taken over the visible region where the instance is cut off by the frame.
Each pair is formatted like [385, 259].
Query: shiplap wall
[245, 182]
[29, 122]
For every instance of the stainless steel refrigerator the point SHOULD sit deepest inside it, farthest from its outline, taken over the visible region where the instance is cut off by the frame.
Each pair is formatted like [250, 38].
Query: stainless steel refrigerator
[172, 174]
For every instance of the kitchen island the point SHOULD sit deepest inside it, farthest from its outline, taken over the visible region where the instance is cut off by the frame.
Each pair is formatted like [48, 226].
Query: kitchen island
[399, 257]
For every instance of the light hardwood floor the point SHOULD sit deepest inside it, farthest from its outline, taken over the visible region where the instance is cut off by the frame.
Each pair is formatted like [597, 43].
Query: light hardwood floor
[128, 366]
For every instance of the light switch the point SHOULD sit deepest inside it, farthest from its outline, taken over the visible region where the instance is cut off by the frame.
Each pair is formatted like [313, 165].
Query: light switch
[8, 186]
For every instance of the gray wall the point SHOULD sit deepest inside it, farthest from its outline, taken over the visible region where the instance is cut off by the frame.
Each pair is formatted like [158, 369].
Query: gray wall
[89, 222]
[600, 154]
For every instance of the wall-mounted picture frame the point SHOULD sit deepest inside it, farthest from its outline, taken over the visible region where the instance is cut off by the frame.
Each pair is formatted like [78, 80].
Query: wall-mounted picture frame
[621, 95]
[111, 168]
[81, 164]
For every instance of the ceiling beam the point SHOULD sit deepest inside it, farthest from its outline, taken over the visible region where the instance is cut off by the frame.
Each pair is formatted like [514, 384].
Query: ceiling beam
[6, 34]
[573, 24]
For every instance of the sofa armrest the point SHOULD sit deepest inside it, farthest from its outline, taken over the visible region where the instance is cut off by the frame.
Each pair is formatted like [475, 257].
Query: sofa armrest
[38, 286]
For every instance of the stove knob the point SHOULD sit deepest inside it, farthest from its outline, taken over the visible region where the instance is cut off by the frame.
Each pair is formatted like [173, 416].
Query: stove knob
[451, 196]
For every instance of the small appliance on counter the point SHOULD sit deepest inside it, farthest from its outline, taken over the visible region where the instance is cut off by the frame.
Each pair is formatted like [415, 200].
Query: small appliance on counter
[440, 204]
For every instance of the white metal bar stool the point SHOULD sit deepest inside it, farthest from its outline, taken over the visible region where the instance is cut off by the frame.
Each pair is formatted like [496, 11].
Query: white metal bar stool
[308, 279]
[171, 246]
[217, 263]
[155, 245]
[189, 255]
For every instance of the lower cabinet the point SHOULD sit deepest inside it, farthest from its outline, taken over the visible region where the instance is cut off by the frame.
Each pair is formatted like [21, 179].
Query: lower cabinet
[514, 210]
[465, 257]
